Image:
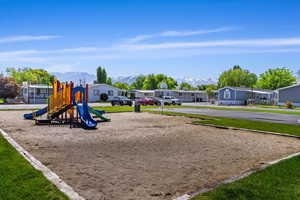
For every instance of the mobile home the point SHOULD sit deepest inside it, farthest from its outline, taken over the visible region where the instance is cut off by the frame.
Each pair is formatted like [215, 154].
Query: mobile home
[243, 96]
[35, 94]
[183, 95]
[291, 94]
[96, 90]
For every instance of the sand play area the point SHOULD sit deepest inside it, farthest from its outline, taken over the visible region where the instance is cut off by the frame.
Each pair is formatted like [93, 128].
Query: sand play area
[144, 156]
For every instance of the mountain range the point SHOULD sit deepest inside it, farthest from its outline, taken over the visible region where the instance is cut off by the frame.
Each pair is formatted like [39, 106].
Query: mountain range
[84, 77]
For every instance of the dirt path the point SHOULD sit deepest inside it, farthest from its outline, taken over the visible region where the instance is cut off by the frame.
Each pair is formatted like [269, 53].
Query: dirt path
[144, 156]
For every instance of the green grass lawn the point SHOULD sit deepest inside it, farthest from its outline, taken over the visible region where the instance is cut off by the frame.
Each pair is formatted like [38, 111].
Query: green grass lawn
[20, 181]
[272, 106]
[2, 100]
[254, 125]
[110, 109]
[240, 123]
[277, 182]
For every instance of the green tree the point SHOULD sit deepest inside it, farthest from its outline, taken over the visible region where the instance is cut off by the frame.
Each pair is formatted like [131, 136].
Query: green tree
[109, 81]
[101, 75]
[123, 86]
[273, 79]
[150, 82]
[153, 81]
[138, 83]
[171, 83]
[34, 76]
[237, 77]
[185, 86]
[210, 90]
[204, 87]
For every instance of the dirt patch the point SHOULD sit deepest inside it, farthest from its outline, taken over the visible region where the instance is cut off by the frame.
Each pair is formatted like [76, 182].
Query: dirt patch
[144, 156]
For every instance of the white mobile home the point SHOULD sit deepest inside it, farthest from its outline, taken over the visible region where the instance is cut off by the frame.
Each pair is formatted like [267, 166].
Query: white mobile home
[35, 94]
[141, 93]
[183, 95]
[96, 90]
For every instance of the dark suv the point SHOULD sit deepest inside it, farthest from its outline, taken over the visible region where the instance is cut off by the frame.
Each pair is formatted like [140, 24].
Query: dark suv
[121, 100]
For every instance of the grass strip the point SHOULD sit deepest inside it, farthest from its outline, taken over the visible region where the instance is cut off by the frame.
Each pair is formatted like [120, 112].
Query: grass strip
[272, 106]
[20, 181]
[277, 182]
[239, 123]
[111, 109]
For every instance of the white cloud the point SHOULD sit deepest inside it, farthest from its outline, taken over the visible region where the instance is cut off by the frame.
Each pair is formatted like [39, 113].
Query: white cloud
[55, 51]
[18, 53]
[221, 43]
[156, 50]
[60, 68]
[140, 38]
[24, 38]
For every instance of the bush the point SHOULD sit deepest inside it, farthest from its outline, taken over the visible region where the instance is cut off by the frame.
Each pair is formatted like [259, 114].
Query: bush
[8, 88]
[289, 104]
[103, 97]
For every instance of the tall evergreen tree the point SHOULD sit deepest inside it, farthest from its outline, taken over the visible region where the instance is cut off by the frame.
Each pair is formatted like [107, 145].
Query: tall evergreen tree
[101, 75]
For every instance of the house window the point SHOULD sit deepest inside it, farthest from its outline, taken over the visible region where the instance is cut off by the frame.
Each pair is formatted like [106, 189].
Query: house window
[180, 93]
[38, 91]
[110, 93]
[227, 94]
[96, 92]
[192, 94]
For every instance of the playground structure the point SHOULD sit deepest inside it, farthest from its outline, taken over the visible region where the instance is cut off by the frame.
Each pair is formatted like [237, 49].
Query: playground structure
[68, 105]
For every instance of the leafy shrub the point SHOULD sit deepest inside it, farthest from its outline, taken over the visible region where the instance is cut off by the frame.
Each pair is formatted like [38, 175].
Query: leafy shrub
[289, 104]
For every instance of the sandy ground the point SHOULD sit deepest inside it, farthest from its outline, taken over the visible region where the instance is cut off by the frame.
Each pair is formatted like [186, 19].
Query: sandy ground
[144, 156]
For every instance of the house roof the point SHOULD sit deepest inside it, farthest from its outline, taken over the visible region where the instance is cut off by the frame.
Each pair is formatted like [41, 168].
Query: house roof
[182, 91]
[143, 91]
[263, 91]
[291, 86]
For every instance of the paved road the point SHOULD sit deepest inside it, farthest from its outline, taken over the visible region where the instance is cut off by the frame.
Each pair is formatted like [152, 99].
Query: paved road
[35, 106]
[242, 107]
[260, 116]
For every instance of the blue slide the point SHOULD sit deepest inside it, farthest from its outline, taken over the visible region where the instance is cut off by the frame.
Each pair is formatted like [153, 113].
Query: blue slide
[36, 113]
[86, 119]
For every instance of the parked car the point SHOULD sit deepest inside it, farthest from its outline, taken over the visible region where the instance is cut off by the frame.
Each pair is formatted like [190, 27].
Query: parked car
[145, 101]
[169, 100]
[157, 101]
[121, 100]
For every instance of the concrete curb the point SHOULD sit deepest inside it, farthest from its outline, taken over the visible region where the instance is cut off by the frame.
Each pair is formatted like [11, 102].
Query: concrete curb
[250, 130]
[51, 176]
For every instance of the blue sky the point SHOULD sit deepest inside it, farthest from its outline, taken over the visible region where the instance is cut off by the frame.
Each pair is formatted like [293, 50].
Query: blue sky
[179, 38]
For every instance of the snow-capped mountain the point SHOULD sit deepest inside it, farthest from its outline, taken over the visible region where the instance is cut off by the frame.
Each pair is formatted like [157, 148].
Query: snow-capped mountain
[192, 81]
[85, 77]
[196, 81]
[125, 79]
